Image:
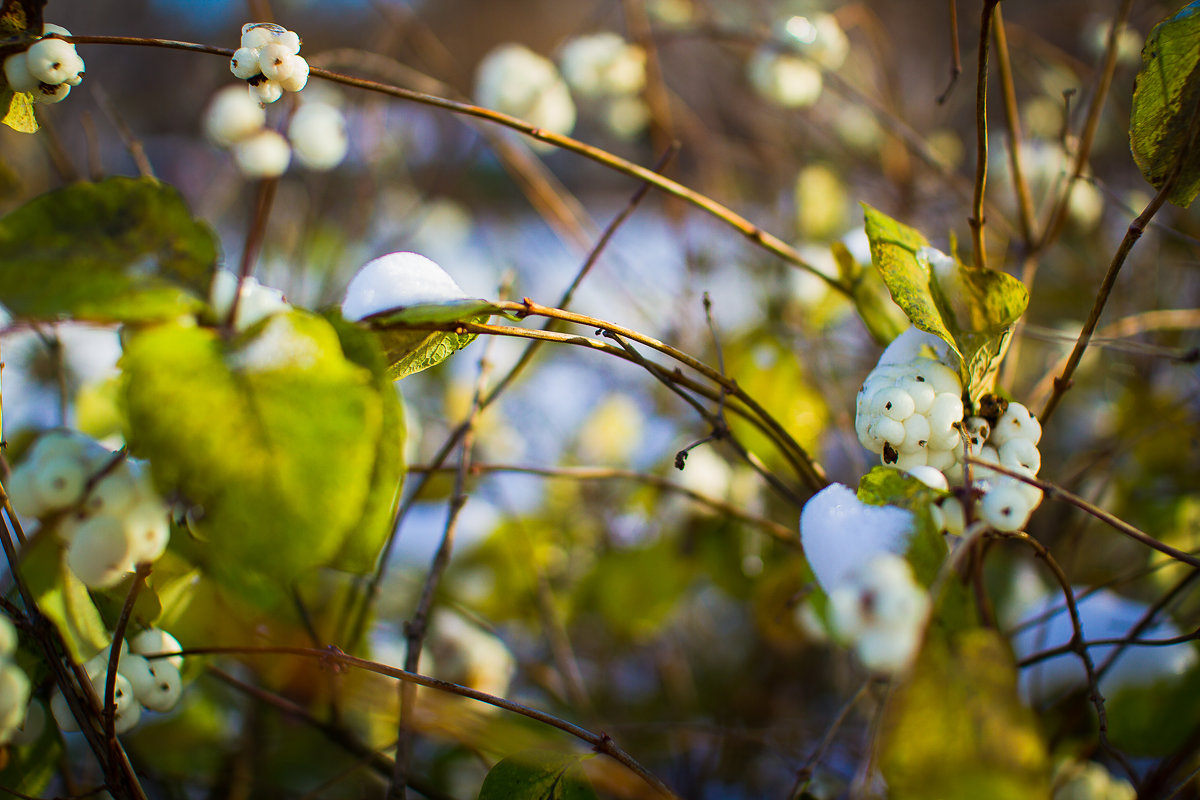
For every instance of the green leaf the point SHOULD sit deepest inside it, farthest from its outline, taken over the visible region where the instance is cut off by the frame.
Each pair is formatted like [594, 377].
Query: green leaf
[31, 767]
[1163, 123]
[361, 550]
[410, 349]
[20, 116]
[62, 597]
[120, 250]
[538, 775]
[970, 309]
[883, 318]
[956, 729]
[888, 486]
[1155, 719]
[273, 435]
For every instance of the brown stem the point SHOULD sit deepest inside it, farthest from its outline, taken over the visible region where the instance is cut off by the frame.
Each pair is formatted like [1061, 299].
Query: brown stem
[956, 52]
[981, 134]
[114, 658]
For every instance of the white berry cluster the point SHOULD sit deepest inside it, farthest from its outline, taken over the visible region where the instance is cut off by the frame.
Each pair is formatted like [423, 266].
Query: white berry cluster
[141, 683]
[48, 69]
[14, 684]
[910, 411]
[1090, 781]
[611, 71]
[881, 610]
[792, 78]
[270, 61]
[109, 516]
[517, 81]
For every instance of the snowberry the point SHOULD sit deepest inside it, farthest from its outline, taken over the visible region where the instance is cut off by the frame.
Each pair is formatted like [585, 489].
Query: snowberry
[266, 154]
[1020, 453]
[53, 60]
[260, 34]
[232, 115]
[602, 64]
[51, 93]
[786, 80]
[931, 477]
[297, 77]
[265, 90]
[148, 531]
[318, 136]
[954, 519]
[165, 688]
[275, 61]
[1005, 507]
[59, 482]
[907, 460]
[61, 712]
[517, 81]
[818, 37]
[881, 610]
[114, 494]
[944, 412]
[16, 72]
[244, 63]
[100, 553]
[153, 641]
[128, 710]
[895, 403]
[1017, 422]
[916, 434]
[136, 669]
[977, 430]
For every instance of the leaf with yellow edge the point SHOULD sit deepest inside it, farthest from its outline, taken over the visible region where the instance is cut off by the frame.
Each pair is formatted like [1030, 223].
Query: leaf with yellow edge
[20, 116]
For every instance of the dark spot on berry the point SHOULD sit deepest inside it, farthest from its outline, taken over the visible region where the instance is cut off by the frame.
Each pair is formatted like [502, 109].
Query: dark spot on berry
[920, 379]
[890, 456]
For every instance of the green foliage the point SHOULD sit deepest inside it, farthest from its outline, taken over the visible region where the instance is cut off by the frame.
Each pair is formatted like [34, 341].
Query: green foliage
[956, 729]
[19, 16]
[31, 767]
[969, 308]
[1165, 118]
[62, 598]
[120, 250]
[1155, 719]
[884, 320]
[409, 351]
[538, 775]
[275, 435]
[889, 486]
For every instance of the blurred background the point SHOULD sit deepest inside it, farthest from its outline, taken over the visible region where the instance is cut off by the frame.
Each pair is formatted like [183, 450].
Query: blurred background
[680, 631]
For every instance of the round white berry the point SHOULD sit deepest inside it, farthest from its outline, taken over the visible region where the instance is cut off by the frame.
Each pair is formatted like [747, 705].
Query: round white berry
[114, 494]
[922, 394]
[232, 115]
[61, 712]
[895, 403]
[51, 93]
[99, 552]
[166, 687]
[907, 460]
[29, 730]
[14, 698]
[153, 641]
[290, 40]
[916, 434]
[59, 482]
[930, 476]
[977, 430]
[49, 28]
[20, 490]
[264, 90]
[52, 60]
[1020, 453]
[1017, 422]
[603, 63]
[297, 78]
[266, 154]
[939, 458]
[786, 80]
[517, 81]
[887, 430]
[16, 72]
[260, 34]
[944, 412]
[148, 530]
[953, 516]
[1005, 508]
[275, 62]
[244, 63]
[318, 136]
[136, 669]
[128, 709]
[938, 375]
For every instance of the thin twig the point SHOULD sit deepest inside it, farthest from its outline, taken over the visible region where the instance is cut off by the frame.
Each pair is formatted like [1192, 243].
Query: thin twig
[264, 198]
[1118, 524]
[981, 134]
[114, 658]
[416, 628]
[955, 51]
[600, 742]
[1012, 120]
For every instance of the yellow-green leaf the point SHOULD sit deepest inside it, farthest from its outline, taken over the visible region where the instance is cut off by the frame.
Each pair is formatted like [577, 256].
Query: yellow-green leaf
[19, 116]
[1164, 123]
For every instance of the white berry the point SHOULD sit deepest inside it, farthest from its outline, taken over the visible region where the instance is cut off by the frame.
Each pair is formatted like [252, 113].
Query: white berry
[52, 60]
[266, 154]
[1005, 508]
[165, 689]
[318, 136]
[16, 72]
[153, 641]
[99, 553]
[244, 63]
[232, 115]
